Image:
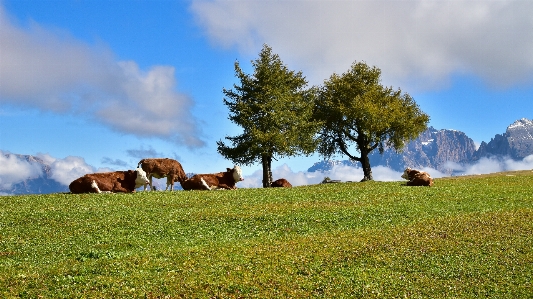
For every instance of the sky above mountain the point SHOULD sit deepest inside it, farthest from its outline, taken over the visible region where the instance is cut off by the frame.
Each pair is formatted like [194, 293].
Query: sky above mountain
[99, 85]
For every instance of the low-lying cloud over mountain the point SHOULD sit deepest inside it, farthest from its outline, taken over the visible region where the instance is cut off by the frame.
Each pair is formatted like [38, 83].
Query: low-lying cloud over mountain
[439, 152]
[381, 173]
[15, 170]
[337, 172]
[65, 170]
[42, 173]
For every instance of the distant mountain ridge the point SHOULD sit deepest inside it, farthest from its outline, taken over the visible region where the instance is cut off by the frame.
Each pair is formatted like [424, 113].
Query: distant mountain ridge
[516, 142]
[433, 148]
[437, 148]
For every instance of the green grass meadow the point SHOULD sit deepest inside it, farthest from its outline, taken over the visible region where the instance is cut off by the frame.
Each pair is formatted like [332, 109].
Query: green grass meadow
[466, 237]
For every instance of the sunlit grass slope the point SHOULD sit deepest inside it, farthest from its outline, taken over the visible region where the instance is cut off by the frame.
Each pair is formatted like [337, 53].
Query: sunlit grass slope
[463, 238]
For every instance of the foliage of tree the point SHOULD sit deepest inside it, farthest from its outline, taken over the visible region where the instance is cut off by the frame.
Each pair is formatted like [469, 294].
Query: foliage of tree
[275, 109]
[357, 110]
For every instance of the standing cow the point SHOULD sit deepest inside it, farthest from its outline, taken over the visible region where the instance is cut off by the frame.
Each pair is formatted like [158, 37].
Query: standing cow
[220, 180]
[163, 167]
[116, 181]
[417, 178]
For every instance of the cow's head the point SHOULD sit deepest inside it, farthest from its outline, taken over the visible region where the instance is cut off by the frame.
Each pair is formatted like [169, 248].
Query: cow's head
[236, 172]
[141, 178]
[405, 174]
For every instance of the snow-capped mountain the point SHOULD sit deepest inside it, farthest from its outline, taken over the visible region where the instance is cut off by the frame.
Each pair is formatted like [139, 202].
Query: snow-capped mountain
[433, 148]
[436, 148]
[516, 142]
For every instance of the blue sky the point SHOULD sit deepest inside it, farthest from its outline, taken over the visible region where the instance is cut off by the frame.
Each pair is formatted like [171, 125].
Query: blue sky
[98, 85]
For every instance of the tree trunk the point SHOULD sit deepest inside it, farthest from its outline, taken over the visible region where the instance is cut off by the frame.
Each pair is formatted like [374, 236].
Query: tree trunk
[367, 171]
[267, 170]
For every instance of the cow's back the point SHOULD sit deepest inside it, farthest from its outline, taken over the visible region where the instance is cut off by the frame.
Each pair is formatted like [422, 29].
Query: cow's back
[117, 181]
[163, 167]
[148, 165]
[212, 180]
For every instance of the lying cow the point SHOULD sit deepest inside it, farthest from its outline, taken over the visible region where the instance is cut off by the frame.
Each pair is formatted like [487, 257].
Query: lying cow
[163, 167]
[281, 183]
[417, 177]
[117, 181]
[221, 180]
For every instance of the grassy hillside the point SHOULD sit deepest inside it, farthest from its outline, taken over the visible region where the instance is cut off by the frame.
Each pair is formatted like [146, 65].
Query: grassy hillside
[465, 237]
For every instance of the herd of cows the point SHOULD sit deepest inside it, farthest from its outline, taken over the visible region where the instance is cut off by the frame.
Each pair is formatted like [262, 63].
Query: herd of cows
[130, 180]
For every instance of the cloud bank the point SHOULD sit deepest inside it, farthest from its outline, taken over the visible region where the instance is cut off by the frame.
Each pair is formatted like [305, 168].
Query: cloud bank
[384, 174]
[338, 172]
[15, 170]
[417, 42]
[50, 70]
[491, 165]
[65, 170]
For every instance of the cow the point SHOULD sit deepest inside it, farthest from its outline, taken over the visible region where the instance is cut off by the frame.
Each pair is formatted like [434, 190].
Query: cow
[163, 167]
[107, 182]
[221, 180]
[281, 183]
[417, 178]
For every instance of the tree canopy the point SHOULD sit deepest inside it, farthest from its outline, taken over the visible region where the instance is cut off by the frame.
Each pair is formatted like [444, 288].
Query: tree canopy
[275, 110]
[355, 109]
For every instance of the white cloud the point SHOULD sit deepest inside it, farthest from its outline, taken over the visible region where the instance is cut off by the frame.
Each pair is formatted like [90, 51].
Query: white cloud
[384, 174]
[70, 168]
[64, 171]
[418, 42]
[484, 165]
[15, 170]
[491, 165]
[526, 163]
[338, 172]
[51, 70]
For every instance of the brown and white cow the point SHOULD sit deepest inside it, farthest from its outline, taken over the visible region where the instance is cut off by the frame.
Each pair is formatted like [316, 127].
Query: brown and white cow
[116, 181]
[220, 180]
[281, 183]
[163, 167]
[417, 177]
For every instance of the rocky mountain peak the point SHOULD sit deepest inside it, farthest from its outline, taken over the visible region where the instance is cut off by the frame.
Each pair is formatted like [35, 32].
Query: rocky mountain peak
[516, 142]
[436, 148]
[433, 148]
[521, 124]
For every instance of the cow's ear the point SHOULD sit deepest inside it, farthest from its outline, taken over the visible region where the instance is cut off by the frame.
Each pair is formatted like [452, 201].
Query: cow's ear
[228, 169]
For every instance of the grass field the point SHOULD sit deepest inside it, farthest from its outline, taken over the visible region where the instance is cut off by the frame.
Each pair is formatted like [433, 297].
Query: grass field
[466, 237]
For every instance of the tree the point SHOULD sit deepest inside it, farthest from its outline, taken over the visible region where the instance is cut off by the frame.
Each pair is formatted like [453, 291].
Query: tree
[275, 109]
[356, 109]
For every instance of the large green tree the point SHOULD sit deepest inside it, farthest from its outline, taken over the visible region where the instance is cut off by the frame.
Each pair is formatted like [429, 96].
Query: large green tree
[275, 110]
[357, 110]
